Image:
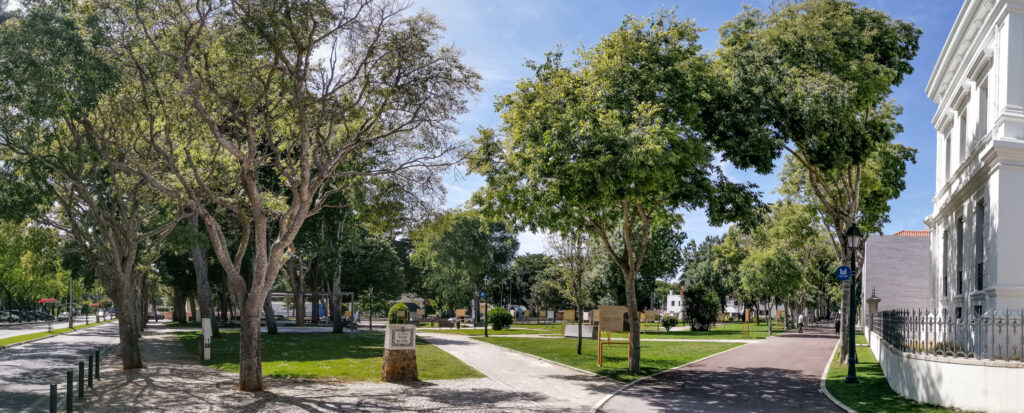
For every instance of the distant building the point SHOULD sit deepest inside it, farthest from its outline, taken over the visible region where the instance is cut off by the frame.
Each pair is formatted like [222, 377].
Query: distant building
[674, 304]
[896, 270]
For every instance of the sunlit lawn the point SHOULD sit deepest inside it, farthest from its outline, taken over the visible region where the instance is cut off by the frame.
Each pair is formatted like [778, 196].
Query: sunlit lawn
[656, 356]
[721, 331]
[872, 394]
[479, 331]
[350, 356]
[26, 337]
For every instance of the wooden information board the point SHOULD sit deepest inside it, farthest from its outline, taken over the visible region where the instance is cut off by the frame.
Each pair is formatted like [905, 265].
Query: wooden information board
[460, 313]
[650, 316]
[612, 317]
[568, 315]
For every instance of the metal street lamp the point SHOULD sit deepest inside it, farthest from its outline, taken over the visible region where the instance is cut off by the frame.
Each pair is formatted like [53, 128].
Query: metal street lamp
[853, 237]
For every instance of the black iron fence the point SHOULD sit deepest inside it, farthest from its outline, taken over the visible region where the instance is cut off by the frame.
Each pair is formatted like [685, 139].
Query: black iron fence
[989, 336]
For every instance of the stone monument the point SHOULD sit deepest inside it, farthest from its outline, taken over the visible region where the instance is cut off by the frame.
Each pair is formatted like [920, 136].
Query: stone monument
[399, 351]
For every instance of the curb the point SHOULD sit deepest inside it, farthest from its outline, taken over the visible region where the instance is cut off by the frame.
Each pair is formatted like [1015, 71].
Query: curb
[824, 376]
[600, 403]
[53, 335]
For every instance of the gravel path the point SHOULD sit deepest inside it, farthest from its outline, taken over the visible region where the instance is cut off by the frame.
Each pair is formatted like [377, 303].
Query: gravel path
[778, 374]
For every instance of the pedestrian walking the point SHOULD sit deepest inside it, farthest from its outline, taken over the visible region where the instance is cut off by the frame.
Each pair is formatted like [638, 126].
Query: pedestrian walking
[837, 325]
[800, 323]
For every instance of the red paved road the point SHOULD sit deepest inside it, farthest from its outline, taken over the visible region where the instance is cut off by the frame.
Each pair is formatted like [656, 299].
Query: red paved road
[779, 374]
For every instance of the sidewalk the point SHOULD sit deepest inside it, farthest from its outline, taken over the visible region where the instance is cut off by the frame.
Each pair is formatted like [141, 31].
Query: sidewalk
[553, 386]
[778, 374]
[174, 381]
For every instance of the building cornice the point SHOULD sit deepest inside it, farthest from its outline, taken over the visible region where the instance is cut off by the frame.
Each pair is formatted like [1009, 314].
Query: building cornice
[955, 50]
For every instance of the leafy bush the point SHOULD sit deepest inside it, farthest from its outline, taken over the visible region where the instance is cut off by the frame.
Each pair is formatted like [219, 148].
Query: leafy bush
[669, 321]
[701, 306]
[393, 313]
[499, 318]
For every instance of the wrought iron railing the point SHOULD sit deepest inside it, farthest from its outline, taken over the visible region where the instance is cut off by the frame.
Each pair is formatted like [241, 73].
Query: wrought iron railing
[990, 336]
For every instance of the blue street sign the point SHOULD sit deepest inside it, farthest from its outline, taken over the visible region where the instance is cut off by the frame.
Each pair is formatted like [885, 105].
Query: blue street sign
[482, 293]
[843, 273]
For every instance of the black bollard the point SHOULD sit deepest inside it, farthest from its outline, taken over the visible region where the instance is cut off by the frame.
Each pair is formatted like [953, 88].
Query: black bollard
[81, 379]
[97, 354]
[53, 397]
[90, 371]
[71, 390]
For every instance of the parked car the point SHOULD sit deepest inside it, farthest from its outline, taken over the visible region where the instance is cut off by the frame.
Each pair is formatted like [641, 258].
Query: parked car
[100, 313]
[62, 316]
[156, 316]
[8, 317]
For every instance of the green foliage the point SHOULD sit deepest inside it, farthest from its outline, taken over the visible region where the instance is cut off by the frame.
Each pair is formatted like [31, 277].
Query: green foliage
[701, 307]
[393, 313]
[372, 302]
[30, 264]
[499, 318]
[668, 321]
[613, 140]
[458, 251]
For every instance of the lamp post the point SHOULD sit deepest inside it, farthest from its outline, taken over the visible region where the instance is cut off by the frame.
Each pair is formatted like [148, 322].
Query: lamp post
[853, 237]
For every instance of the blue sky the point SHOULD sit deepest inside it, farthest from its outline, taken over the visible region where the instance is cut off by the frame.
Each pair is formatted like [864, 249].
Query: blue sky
[497, 37]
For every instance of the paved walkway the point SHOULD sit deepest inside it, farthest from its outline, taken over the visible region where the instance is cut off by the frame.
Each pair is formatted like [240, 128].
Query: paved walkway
[27, 370]
[550, 386]
[778, 374]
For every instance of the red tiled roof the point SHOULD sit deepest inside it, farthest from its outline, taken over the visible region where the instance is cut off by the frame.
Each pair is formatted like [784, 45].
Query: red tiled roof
[906, 233]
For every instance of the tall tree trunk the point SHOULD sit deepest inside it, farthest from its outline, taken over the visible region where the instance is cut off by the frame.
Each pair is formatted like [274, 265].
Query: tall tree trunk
[634, 321]
[178, 315]
[337, 310]
[224, 307]
[126, 297]
[142, 304]
[193, 307]
[268, 313]
[202, 269]
[314, 288]
[250, 369]
[296, 275]
[579, 323]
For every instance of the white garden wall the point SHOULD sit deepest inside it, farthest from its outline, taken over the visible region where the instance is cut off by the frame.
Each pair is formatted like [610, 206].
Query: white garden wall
[976, 385]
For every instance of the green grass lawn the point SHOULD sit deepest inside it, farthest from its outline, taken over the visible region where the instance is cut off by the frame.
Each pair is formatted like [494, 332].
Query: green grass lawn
[187, 324]
[26, 337]
[490, 331]
[721, 331]
[872, 394]
[351, 356]
[656, 356]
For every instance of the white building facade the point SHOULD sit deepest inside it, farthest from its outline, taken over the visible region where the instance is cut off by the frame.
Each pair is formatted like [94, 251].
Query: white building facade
[674, 304]
[977, 222]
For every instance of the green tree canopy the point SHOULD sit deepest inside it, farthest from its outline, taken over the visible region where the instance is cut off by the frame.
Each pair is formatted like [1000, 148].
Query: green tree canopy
[614, 138]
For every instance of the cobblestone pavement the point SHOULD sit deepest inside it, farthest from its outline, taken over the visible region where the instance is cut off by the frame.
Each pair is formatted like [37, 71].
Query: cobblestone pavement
[27, 370]
[174, 381]
[778, 374]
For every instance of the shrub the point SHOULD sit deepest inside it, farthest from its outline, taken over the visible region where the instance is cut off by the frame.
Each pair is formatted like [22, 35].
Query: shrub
[393, 312]
[669, 321]
[499, 318]
[701, 306]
